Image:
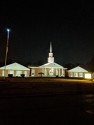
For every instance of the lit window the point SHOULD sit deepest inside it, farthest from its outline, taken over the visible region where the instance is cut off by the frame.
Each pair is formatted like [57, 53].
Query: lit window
[88, 75]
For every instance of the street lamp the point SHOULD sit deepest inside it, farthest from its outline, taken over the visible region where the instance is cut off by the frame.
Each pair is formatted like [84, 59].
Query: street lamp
[8, 30]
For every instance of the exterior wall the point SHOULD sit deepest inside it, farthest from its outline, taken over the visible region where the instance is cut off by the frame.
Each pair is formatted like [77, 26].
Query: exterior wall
[2, 73]
[47, 72]
[15, 72]
[76, 74]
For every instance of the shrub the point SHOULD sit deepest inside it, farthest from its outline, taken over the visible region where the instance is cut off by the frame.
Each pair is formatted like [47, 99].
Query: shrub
[10, 75]
[22, 75]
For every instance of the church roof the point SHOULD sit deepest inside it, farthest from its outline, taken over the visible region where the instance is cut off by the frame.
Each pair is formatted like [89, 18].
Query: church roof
[49, 65]
[77, 69]
[15, 66]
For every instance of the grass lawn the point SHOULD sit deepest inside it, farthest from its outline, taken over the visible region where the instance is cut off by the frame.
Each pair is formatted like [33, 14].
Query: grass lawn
[36, 86]
[46, 101]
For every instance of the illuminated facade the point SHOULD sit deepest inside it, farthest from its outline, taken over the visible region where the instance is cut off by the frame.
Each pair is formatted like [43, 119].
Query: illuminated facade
[50, 69]
[77, 72]
[14, 69]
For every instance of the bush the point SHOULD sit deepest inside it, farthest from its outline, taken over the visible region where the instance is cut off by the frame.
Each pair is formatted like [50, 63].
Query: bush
[56, 76]
[22, 75]
[10, 75]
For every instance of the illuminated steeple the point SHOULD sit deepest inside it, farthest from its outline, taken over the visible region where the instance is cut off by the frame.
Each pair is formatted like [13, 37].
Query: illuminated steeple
[50, 47]
[50, 58]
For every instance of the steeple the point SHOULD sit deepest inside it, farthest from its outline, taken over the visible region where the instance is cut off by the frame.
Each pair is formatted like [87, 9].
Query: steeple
[50, 58]
[50, 47]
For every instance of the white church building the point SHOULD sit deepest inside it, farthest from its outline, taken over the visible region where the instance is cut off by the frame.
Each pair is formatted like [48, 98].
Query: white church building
[50, 69]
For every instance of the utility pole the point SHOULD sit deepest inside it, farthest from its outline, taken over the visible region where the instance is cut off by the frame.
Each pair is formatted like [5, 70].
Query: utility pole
[8, 30]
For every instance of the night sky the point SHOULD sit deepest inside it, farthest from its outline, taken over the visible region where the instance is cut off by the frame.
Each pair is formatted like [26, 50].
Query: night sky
[68, 25]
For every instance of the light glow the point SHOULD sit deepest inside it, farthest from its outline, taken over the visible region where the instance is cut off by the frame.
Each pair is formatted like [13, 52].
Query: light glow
[88, 75]
[8, 30]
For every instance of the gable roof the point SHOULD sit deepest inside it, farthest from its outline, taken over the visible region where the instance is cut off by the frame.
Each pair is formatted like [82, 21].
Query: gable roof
[77, 69]
[15, 66]
[49, 65]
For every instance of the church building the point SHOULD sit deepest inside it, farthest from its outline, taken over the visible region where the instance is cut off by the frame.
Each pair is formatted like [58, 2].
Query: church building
[50, 69]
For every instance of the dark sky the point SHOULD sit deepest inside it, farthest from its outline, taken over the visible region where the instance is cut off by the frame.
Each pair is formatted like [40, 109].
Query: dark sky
[68, 25]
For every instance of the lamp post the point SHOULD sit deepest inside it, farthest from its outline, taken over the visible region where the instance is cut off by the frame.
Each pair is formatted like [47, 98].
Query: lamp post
[8, 30]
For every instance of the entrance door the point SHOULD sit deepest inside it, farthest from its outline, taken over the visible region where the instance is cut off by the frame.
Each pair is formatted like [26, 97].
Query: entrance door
[32, 72]
[51, 72]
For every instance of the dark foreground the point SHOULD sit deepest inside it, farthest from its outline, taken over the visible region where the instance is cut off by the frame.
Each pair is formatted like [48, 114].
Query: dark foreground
[50, 103]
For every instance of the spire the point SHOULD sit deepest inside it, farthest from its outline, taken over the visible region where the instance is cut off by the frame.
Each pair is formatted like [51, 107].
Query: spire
[50, 47]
